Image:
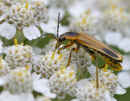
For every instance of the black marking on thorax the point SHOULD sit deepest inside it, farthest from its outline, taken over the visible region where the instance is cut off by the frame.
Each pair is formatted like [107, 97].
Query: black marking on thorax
[71, 34]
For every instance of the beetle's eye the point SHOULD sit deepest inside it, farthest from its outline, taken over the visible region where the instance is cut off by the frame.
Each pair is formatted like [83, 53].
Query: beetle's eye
[61, 39]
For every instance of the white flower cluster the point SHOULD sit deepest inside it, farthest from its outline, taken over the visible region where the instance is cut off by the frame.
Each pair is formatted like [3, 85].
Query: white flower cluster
[19, 56]
[87, 91]
[25, 16]
[104, 24]
[63, 81]
[19, 81]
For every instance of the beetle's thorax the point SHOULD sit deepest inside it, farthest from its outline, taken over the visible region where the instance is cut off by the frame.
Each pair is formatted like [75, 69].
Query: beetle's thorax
[69, 36]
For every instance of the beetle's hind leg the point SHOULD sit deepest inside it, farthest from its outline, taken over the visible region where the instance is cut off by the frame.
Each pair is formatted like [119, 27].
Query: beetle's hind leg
[93, 58]
[97, 78]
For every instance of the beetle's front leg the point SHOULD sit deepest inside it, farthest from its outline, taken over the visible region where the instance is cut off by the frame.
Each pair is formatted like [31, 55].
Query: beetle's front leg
[73, 49]
[66, 46]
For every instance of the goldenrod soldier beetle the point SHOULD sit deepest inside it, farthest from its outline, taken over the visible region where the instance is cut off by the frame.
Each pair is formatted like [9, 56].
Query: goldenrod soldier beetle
[91, 45]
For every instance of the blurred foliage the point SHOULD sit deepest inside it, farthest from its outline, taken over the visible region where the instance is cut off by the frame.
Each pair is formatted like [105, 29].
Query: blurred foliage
[1, 89]
[125, 97]
[119, 50]
[35, 94]
[82, 74]
[65, 20]
[67, 98]
[40, 42]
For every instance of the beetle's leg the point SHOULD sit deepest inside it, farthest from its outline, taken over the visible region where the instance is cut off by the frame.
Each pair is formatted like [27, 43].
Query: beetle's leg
[73, 49]
[97, 78]
[93, 57]
[67, 46]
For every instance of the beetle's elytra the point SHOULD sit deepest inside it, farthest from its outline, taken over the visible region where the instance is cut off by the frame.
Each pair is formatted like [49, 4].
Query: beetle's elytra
[91, 43]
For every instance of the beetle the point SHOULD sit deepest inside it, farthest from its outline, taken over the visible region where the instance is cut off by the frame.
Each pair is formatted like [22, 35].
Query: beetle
[91, 45]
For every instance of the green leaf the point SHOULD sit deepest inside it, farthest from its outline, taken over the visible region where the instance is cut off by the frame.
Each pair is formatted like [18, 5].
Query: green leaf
[67, 98]
[40, 42]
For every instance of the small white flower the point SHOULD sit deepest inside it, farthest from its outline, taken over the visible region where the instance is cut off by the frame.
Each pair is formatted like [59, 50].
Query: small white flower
[3, 80]
[19, 81]
[31, 32]
[7, 30]
[120, 90]
[6, 96]
[50, 27]
[113, 38]
[42, 86]
[126, 62]
[124, 44]
[124, 79]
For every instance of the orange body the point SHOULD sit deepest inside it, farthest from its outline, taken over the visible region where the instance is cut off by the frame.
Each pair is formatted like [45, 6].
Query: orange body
[91, 44]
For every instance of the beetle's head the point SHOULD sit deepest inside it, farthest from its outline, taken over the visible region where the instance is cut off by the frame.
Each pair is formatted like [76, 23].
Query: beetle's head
[60, 41]
[62, 38]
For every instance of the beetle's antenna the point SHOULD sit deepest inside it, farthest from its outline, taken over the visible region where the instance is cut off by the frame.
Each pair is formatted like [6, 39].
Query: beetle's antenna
[57, 36]
[58, 24]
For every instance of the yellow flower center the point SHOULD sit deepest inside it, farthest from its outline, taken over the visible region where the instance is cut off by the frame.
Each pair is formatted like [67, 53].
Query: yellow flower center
[27, 5]
[15, 42]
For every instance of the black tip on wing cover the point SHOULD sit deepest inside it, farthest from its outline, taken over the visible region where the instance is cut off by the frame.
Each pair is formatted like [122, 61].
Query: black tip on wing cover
[110, 52]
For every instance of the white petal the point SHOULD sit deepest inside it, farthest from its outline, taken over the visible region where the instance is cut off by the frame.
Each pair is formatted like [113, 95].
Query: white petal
[75, 100]
[125, 44]
[124, 79]
[42, 86]
[7, 30]
[77, 9]
[120, 90]
[63, 29]
[113, 38]
[126, 62]
[6, 96]
[35, 76]
[31, 32]
[50, 27]
[1, 46]
[108, 97]
[3, 80]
